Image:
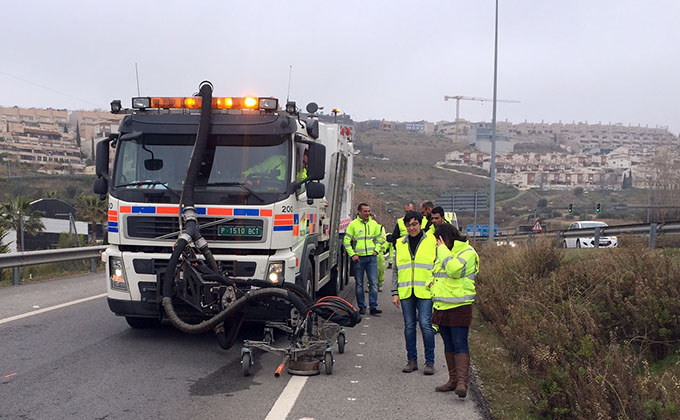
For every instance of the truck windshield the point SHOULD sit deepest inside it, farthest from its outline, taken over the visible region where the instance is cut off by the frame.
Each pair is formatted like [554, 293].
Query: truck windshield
[237, 169]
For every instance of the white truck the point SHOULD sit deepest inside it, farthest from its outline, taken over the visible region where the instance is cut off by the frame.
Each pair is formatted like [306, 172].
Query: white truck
[272, 197]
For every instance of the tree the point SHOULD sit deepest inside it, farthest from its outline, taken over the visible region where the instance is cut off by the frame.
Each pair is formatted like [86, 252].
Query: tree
[18, 210]
[92, 209]
[542, 203]
[4, 248]
[578, 191]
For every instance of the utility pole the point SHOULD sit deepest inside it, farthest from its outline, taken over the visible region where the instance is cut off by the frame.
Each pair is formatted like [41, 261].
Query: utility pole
[492, 191]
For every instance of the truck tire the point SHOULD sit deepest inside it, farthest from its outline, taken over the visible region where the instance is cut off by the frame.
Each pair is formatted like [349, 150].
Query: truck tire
[142, 323]
[332, 288]
[306, 280]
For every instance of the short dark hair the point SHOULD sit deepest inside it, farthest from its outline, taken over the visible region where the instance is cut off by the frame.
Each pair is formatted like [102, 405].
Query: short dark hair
[449, 234]
[362, 205]
[439, 210]
[413, 215]
[427, 204]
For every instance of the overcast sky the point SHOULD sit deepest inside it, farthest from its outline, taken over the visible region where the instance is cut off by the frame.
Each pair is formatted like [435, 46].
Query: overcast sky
[582, 60]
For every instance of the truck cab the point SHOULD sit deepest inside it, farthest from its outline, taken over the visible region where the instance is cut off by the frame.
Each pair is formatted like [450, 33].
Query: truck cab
[270, 195]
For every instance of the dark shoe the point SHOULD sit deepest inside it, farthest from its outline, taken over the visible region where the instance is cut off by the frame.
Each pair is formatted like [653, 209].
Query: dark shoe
[410, 366]
[429, 369]
[462, 367]
[375, 311]
[389, 265]
[451, 365]
[362, 311]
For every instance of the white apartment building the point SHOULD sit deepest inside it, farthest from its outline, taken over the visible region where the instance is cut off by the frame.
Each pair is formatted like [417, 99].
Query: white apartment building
[550, 171]
[39, 137]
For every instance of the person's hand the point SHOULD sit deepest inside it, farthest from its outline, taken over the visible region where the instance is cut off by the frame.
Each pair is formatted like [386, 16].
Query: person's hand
[355, 258]
[440, 241]
[395, 301]
[375, 253]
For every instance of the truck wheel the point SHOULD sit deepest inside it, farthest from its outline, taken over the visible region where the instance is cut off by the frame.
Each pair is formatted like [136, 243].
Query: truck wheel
[143, 323]
[332, 288]
[307, 280]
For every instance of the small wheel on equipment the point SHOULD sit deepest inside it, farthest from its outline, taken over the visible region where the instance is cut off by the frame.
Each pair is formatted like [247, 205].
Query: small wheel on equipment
[328, 362]
[341, 343]
[246, 361]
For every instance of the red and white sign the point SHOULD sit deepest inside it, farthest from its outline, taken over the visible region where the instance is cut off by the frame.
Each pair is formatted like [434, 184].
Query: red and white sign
[537, 226]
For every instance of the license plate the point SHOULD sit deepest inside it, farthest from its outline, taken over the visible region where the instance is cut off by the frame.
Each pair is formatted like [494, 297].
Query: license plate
[248, 231]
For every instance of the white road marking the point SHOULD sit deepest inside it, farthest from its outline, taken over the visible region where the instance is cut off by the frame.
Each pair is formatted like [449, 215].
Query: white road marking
[50, 308]
[287, 399]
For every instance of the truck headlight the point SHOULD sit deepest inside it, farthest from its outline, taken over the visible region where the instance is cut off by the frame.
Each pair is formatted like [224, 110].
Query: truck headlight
[118, 278]
[275, 273]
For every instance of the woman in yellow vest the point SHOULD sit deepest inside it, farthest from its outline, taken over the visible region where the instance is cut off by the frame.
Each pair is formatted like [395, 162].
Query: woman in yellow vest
[414, 261]
[453, 291]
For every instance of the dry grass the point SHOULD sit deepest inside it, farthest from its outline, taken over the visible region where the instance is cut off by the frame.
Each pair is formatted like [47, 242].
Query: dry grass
[583, 327]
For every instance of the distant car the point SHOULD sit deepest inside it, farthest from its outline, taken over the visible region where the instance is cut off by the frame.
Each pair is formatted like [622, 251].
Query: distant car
[589, 241]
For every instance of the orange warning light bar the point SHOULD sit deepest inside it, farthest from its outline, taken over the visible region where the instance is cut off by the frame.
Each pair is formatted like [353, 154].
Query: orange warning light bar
[195, 102]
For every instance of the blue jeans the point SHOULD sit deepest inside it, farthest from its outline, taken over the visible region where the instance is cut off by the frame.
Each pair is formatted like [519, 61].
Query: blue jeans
[368, 265]
[455, 339]
[424, 308]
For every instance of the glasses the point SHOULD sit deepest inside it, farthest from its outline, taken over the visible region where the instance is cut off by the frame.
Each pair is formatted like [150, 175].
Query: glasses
[414, 224]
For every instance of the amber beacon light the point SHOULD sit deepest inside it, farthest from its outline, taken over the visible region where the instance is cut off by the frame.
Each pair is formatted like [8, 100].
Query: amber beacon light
[195, 102]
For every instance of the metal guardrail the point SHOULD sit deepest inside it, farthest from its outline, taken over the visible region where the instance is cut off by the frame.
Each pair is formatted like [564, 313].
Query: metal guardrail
[652, 230]
[23, 259]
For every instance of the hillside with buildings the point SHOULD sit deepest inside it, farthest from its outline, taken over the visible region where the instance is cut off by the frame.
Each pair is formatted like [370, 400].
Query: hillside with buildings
[401, 161]
[51, 141]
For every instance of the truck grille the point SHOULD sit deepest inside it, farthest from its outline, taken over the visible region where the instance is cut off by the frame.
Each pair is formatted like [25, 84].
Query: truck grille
[149, 227]
[230, 268]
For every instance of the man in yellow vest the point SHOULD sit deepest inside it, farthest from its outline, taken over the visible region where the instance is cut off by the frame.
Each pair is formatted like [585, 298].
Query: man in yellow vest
[363, 242]
[437, 217]
[414, 262]
[426, 208]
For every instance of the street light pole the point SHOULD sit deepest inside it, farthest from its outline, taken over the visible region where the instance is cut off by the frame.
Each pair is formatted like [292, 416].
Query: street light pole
[492, 191]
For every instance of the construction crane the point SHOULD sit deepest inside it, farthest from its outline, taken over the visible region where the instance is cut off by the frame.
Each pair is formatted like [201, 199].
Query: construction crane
[472, 98]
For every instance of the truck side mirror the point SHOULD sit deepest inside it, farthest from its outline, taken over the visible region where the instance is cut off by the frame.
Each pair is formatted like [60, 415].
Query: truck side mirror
[101, 187]
[316, 190]
[316, 165]
[102, 159]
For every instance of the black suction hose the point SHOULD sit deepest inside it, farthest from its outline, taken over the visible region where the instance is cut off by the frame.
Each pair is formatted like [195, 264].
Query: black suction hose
[192, 234]
[231, 310]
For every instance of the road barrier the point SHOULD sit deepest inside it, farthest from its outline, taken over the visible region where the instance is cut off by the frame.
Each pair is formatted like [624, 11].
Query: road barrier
[652, 230]
[23, 259]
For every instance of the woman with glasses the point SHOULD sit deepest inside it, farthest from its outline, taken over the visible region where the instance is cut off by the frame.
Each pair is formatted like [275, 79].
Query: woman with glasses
[453, 291]
[414, 261]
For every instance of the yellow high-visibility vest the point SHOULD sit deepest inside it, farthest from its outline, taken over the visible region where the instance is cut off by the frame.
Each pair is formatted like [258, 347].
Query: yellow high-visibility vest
[414, 274]
[363, 238]
[454, 276]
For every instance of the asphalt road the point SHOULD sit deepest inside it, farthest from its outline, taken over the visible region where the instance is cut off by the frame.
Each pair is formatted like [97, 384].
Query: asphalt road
[80, 361]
